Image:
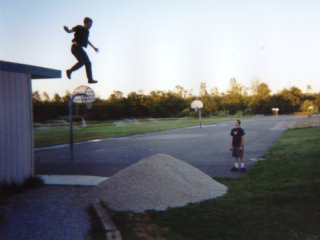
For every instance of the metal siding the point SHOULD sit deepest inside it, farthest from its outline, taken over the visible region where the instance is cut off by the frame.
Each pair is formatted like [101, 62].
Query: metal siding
[16, 138]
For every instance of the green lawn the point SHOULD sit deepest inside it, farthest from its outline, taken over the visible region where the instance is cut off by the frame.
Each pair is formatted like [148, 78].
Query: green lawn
[48, 136]
[279, 198]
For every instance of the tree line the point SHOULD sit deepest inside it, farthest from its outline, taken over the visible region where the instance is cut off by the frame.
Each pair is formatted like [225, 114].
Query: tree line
[176, 103]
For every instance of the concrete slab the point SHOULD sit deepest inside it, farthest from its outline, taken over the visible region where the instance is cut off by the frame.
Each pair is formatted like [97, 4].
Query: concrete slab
[78, 180]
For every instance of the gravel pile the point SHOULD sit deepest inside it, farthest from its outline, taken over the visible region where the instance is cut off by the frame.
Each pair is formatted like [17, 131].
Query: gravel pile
[156, 183]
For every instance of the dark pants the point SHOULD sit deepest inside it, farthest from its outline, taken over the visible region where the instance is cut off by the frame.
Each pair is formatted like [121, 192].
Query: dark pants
[83, 59]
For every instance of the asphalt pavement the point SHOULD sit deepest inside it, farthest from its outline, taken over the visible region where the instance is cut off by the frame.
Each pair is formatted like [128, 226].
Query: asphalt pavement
[206, 148]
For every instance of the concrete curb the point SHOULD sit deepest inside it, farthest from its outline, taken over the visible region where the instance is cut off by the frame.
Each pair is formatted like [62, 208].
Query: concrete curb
[72, 180]
[112, 233]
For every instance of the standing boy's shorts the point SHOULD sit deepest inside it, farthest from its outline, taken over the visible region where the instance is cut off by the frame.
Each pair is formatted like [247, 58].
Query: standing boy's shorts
[237, 153]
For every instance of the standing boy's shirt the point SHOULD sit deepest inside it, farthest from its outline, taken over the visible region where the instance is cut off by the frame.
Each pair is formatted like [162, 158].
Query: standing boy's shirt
[236, 134]
[81, 35]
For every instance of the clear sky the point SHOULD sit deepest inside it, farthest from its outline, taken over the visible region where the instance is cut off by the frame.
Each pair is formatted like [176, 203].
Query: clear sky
[158, 44]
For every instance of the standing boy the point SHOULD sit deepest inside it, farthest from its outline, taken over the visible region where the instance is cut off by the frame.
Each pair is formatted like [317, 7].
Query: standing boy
[237, 147]
[81, 40]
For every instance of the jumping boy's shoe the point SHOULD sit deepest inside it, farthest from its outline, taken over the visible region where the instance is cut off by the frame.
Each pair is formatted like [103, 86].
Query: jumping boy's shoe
[243, 169]
[234, 169]
[68, 72]
[92, 81]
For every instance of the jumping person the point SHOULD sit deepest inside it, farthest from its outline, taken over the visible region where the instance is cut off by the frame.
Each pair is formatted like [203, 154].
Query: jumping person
[81, 40]
[237, 147]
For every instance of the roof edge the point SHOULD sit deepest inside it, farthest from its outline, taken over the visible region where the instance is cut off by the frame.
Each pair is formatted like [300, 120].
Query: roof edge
[35, 71]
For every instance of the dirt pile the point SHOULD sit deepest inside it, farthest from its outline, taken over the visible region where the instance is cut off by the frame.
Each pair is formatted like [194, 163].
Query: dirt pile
[156, 183]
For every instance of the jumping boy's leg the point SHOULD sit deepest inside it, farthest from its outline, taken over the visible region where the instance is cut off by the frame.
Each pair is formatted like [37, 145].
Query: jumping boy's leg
[78, 53]
[87, 63]
[74, 68]
[83, 57]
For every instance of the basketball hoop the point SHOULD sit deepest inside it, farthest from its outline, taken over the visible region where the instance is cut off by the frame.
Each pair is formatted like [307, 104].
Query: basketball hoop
[82, 94]
[197, 105]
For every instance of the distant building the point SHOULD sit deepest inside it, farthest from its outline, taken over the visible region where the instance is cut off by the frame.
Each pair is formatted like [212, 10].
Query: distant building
[16, 119]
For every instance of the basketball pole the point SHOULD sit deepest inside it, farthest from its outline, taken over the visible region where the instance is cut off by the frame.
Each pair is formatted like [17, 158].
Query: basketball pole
[71, 125]
[197, 105]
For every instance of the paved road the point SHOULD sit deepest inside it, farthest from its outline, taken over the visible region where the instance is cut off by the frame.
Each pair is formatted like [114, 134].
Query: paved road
[205, 148]
[47, 213]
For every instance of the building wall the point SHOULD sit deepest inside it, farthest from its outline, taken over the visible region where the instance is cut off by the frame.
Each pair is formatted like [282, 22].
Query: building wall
[16, 131]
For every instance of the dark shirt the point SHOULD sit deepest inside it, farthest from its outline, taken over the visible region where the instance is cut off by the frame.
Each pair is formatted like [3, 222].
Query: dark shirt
[236, 134]
[81, 35]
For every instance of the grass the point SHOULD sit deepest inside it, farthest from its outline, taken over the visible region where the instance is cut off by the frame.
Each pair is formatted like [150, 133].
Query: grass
[49, 136]
[278, 199]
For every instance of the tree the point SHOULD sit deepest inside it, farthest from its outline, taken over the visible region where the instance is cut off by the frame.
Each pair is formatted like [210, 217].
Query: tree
[36, 98]
[66, 96]
[309, 90]
[236, 89]
[135, 105]
[235, 98]
[263, 91]
[116, 96]
[56, 98]
[259, 102]
[45, 97]
[209, 103]
[305, 107]
[214, 91]
[255, 82]
[317, 100]
[291, 99]
[180, 91]
[203, 89]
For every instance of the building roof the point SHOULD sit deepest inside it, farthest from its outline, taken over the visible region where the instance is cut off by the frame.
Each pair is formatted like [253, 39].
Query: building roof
[34, 71]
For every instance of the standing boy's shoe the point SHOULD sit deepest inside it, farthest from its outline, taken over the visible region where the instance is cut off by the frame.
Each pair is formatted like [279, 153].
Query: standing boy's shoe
[92, 81]
[68, 72]
[234, 169]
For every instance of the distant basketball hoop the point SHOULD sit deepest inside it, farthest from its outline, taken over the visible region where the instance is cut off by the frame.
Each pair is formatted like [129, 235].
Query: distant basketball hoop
[197, 105]
[82, 94]
[275, 111]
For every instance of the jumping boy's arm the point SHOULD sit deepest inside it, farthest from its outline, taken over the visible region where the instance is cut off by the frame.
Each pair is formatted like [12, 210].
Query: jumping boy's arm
[67, 29]
[96, 49]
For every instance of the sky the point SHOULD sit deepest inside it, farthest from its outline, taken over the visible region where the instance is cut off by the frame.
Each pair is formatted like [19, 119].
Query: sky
[147, 45]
